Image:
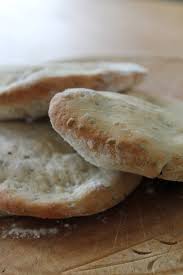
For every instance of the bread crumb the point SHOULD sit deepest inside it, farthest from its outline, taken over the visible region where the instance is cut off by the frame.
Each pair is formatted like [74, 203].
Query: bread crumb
[102, 218]
[150, 189]
[66, 225]
[16, 232]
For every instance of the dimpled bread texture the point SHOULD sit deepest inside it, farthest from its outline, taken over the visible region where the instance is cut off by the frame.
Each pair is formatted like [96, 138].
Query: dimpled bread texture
[122, 132]
[26, 92]
[43, 176]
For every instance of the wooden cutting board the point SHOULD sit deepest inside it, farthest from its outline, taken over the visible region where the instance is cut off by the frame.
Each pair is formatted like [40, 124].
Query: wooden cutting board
[142, 235]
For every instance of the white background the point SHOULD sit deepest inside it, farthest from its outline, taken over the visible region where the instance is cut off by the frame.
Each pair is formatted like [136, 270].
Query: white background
[32, 31]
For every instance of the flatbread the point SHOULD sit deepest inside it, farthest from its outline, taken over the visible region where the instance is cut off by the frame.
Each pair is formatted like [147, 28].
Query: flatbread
[43, 176]
[26, 92]
[122, 132]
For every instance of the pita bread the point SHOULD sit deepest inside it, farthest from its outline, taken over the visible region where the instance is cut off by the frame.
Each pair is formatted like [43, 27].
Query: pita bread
[122, 132]
[42, 176]
[27, 92]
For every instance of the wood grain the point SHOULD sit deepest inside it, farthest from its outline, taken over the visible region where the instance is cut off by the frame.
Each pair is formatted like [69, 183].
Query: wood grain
[142, 235]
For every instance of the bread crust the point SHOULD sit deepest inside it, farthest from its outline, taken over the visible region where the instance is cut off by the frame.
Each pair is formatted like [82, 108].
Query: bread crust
[127, 133]
[95, 201]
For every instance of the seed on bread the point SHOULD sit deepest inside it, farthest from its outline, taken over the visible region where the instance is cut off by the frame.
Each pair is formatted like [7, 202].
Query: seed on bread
[70, 122]
[110, 141]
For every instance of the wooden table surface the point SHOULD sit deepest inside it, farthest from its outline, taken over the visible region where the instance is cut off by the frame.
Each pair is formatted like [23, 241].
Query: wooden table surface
[37, 30]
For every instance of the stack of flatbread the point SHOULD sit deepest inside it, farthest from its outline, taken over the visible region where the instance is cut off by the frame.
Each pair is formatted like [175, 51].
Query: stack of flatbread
[99, 146]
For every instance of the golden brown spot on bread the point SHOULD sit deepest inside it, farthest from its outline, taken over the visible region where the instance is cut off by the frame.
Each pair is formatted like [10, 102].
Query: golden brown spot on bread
[81, 127]
[70, 122]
